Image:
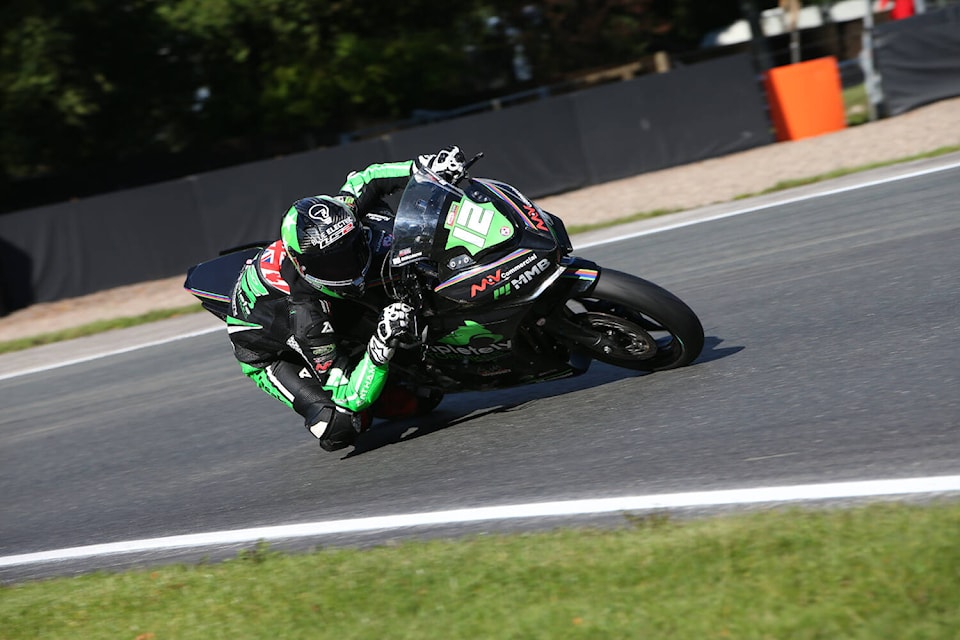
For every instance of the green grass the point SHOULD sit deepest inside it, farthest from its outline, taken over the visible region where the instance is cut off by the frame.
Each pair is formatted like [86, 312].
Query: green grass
[855, 105]
[95, 327]
[880, 571]
[643, 215]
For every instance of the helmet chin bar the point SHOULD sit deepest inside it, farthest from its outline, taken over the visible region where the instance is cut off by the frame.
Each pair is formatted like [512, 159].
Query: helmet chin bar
[345, 289]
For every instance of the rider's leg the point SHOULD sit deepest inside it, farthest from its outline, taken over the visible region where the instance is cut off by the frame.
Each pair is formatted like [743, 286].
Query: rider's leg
[333, 426]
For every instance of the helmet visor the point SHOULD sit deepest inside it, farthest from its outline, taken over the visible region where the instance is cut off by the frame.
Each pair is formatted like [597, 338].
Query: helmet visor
[341, 264]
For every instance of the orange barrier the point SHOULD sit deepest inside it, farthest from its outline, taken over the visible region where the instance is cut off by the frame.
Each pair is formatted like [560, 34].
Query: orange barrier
[806, 99]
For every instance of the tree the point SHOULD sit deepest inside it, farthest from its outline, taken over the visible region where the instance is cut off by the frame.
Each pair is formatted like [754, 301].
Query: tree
[103, 87]
[281, 68]
[94, 83]
[690, 20]
[84, 80]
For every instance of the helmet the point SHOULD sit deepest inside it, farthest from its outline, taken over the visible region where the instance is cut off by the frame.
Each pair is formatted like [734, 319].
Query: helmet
[326, 243]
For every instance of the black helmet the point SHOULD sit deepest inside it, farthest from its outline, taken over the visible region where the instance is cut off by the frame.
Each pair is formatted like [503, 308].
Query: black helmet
[326, 243]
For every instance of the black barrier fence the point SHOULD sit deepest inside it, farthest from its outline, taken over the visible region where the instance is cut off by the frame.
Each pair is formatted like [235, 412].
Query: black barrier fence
[919, 59]
[544, 147]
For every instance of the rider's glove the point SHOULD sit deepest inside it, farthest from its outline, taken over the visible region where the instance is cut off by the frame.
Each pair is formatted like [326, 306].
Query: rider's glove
[448, 163]
[397, 324]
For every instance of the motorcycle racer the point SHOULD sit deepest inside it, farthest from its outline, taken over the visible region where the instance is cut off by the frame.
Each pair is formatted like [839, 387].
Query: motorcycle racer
[297, 317]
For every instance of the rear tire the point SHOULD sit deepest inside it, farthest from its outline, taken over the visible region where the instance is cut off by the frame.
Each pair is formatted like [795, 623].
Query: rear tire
[645, 327]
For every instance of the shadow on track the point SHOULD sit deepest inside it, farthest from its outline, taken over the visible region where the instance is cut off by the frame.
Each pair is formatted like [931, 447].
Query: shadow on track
[477, 404]
[712, 351]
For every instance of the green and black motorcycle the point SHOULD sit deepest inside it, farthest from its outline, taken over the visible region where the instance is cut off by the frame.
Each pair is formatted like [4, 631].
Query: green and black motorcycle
[500, 297]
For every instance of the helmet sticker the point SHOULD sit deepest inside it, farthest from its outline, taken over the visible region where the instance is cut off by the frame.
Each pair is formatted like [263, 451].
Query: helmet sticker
[320, 212]
[325, 238]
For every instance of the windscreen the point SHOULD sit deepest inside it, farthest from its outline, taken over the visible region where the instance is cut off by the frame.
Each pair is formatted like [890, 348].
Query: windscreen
[419, 215]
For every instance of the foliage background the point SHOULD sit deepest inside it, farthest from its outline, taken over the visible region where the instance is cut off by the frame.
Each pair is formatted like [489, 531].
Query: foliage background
[108, 94]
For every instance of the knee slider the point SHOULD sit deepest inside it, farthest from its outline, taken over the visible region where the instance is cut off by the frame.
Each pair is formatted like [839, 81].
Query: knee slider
[335, 428]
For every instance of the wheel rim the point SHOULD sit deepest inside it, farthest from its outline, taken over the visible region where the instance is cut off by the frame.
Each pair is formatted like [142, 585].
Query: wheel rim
[622, 339]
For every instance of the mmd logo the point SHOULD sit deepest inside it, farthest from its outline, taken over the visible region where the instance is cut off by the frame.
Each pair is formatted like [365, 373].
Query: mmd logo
[530, 274]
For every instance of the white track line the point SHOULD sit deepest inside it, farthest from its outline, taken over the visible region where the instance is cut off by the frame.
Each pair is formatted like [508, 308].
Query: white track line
[839, 490]
[112, 352]
[777, 203]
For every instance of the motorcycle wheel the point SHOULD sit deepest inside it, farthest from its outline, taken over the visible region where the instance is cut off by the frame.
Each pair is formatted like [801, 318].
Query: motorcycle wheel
[644, 326]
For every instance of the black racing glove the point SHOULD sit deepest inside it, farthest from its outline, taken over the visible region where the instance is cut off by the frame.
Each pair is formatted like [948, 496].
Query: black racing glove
[397, 325]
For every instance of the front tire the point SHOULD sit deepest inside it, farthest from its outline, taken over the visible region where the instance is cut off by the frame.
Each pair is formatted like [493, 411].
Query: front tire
[644, 327]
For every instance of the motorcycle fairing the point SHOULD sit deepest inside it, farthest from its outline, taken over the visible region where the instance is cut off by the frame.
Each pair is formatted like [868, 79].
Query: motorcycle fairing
[516, 276]
[212, 281]
[536, 222]
[476, 349]
[498, 346]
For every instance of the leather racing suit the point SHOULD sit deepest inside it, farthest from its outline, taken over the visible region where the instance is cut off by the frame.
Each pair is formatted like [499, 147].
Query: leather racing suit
[307, 348]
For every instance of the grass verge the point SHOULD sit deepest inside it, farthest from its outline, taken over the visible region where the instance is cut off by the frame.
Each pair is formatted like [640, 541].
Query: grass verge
[838, 173]
[780, 186]
[878, 571]
[642, 215]
[855, 105]
[96, 327]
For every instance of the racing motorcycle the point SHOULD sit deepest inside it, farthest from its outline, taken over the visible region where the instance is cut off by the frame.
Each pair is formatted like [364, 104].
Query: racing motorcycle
[501, 299]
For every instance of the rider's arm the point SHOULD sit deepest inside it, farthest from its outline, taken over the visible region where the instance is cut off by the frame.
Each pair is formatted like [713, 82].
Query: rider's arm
[354, 387]
[365, 188]
[360, 388]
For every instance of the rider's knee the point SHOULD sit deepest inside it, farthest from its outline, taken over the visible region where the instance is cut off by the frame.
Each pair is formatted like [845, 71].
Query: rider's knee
[334, 427]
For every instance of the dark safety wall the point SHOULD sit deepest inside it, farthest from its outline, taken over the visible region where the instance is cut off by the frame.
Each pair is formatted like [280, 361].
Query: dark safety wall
[919, 59]
[544, 147]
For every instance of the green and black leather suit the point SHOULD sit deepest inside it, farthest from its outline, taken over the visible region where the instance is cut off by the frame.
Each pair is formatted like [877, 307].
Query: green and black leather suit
[306, 348]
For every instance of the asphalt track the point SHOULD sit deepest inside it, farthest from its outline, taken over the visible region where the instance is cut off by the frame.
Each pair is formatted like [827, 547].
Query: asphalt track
[831, 321]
